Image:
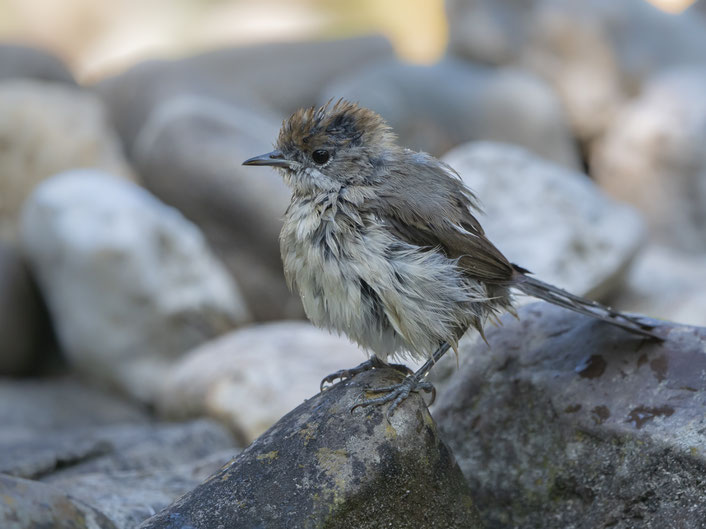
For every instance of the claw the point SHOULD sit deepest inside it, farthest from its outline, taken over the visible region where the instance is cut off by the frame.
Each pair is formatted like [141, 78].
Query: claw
[329, 379]
[373, 363]
[414, 382]
[344, 374]
[397, 393]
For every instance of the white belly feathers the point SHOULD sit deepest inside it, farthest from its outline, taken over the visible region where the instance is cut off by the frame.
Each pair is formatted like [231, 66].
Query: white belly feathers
[355, 277]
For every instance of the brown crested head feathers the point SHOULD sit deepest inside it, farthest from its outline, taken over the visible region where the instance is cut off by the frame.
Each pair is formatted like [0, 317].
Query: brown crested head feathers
[334, 125]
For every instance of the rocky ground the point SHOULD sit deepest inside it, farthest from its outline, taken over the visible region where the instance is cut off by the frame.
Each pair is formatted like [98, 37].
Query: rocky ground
[155, 370]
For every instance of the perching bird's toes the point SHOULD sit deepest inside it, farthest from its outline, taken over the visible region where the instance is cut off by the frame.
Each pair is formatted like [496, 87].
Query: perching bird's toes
[372, 363]
[397, 394]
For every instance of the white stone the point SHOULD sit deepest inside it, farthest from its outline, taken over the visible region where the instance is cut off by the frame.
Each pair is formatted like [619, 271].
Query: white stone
[251, 377]
[130, 283]
[548, 219]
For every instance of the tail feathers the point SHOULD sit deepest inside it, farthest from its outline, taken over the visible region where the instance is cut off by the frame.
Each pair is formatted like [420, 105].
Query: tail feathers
[539, 289]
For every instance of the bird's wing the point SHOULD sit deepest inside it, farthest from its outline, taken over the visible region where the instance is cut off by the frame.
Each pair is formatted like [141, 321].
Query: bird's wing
[435, 210]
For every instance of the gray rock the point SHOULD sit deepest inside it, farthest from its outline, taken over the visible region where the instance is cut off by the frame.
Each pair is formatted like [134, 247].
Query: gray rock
[595, 53]
[283, 76]
[189, 154]
[134, 471]
[323, 466]
[653, 157]
[434, 108]
[127, 498]
[127, 472]
[248, 379]
[32, 505]
[130, 283]
[131, 447]
[32, 63]
[30, 408]
[41, 419]
[100, 450]
[550, 220]
[568, 422]
[667, 284]
[25, 329]
[47, 128]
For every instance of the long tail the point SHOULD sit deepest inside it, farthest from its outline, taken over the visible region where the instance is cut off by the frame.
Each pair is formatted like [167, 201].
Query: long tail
[539, 289]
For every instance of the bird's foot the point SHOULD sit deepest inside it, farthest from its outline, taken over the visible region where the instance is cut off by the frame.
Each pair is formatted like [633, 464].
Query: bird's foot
[372, 363]
[398, 393]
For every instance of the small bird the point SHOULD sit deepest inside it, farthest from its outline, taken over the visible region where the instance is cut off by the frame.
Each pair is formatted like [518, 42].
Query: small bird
[382, 244]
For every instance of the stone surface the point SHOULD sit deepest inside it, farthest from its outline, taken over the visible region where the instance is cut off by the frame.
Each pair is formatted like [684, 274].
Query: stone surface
[31, 407]
[139, 470]
[25, 330]
[251, 377]
[323, 466]
[47, 128]
[568, 422]
[284, 76]
[455, 102]
[127, 471]
[595, 53]
[100, 451]
[666, 284]
[653, 157]
[125, 447]
[32, 63]
[190, 154]
[550, 220]
[62, 454]
[32, 505]
[130, 283]
[42, 420]
[127, 498]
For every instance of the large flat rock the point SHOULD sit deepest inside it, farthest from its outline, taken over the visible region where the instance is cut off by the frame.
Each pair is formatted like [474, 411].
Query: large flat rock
[568, 422]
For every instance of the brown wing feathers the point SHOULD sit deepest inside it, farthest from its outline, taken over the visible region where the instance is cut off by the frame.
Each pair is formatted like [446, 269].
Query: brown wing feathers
[453, 229]
[439, 215]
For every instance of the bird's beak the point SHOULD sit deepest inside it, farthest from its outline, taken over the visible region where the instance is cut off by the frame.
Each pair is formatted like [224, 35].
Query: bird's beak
[274, 159]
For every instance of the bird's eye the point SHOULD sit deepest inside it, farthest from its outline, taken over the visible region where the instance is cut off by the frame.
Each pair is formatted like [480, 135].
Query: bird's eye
[320, 156]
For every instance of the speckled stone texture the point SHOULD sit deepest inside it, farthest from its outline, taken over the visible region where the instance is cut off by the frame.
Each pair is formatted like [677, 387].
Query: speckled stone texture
[565, 422]
[322, 466]
[26, 504]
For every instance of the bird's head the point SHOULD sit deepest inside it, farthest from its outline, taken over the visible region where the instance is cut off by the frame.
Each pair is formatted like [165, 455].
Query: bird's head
[327, 148]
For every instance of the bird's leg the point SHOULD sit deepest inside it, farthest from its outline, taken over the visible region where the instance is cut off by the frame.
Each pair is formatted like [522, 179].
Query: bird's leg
[372, 363]
[414, 382]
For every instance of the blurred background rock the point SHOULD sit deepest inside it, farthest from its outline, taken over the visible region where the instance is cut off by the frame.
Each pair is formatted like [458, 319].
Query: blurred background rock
[140, 276]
